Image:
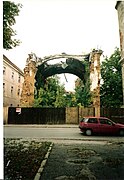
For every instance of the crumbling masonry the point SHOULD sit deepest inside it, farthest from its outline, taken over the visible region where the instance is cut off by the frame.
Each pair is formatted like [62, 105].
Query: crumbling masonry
[27, 96]
[95, 79]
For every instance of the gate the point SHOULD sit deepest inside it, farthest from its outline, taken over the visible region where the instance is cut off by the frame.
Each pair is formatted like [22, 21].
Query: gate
[36, 115]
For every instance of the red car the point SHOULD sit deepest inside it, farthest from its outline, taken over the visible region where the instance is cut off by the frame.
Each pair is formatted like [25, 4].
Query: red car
[101, 125]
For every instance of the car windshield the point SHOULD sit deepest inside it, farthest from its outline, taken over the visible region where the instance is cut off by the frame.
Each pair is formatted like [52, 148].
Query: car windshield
[84, 120]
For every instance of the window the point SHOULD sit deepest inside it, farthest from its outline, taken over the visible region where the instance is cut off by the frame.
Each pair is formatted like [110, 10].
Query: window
[19, 78]
[92, 120]
[3, 87]
[18, 93]
[102, 121]
[105, 121]
[83, 119]
[4, 70]
[12, 75]
[11, 90]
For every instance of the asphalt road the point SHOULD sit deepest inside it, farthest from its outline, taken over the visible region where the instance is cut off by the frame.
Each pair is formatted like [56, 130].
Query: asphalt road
[50, 132]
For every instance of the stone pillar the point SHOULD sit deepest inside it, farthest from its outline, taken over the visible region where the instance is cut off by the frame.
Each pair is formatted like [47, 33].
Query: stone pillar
[95, 79]
[27, 96]
[120, 9]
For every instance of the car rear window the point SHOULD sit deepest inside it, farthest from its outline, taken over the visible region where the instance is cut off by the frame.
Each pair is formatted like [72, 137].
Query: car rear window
[89, 120]
[84, 120]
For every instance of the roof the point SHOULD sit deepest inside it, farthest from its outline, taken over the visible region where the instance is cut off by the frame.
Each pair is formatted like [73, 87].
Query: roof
[19, 70]
[94, 117]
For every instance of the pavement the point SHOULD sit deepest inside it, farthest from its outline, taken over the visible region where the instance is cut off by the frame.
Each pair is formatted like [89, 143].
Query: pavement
[85, 162]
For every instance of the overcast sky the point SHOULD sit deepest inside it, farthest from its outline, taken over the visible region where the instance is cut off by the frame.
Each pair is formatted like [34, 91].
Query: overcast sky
[48, 27]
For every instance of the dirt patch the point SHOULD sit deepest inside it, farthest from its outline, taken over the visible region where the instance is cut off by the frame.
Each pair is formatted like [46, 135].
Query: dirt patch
[22, 158]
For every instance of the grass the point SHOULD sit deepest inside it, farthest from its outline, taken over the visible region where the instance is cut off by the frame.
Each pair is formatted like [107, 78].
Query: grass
[22, 158]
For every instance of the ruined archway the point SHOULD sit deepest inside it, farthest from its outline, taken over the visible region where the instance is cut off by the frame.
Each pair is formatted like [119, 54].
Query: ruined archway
[71, 65]
[37, 70]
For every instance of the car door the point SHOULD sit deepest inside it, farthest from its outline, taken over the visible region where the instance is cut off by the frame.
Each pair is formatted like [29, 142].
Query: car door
[106, 126]
[93, 124]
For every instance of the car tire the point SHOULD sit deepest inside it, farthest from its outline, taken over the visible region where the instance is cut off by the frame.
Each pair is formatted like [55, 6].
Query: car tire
[121, 132]
[88, 132]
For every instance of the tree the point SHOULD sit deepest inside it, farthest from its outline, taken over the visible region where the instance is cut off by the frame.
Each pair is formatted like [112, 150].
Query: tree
[70, 99]
[10, 10]
[83, 95]
[111, 88]
[51, 95]
[82, 91]
[60, 97]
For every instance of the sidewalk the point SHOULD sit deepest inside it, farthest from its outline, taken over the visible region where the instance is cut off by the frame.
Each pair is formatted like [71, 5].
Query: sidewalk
[43, 125]
[85, 162]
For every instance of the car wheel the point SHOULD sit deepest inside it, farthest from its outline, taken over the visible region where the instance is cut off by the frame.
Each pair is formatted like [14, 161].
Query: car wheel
[121, 132]
[88, 132]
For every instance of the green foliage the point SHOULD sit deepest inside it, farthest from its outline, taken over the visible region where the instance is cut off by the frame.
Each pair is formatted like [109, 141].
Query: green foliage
[10, 10]
[51, 95]
[60, 97]
[70, 99]
[82, 92]
[111, 89]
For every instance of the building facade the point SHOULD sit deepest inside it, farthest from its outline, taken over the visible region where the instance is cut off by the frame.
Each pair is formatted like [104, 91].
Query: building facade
[120, 9]
[13, 78]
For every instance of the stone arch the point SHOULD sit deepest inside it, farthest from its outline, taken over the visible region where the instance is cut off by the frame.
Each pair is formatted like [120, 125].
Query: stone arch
[71, 65]
[37, 67]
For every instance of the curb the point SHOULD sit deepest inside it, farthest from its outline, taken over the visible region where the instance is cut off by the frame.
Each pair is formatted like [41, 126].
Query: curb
[43, 163]
[42, 126]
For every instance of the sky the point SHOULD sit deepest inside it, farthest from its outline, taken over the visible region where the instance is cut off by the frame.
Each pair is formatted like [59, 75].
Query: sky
[48, 27]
